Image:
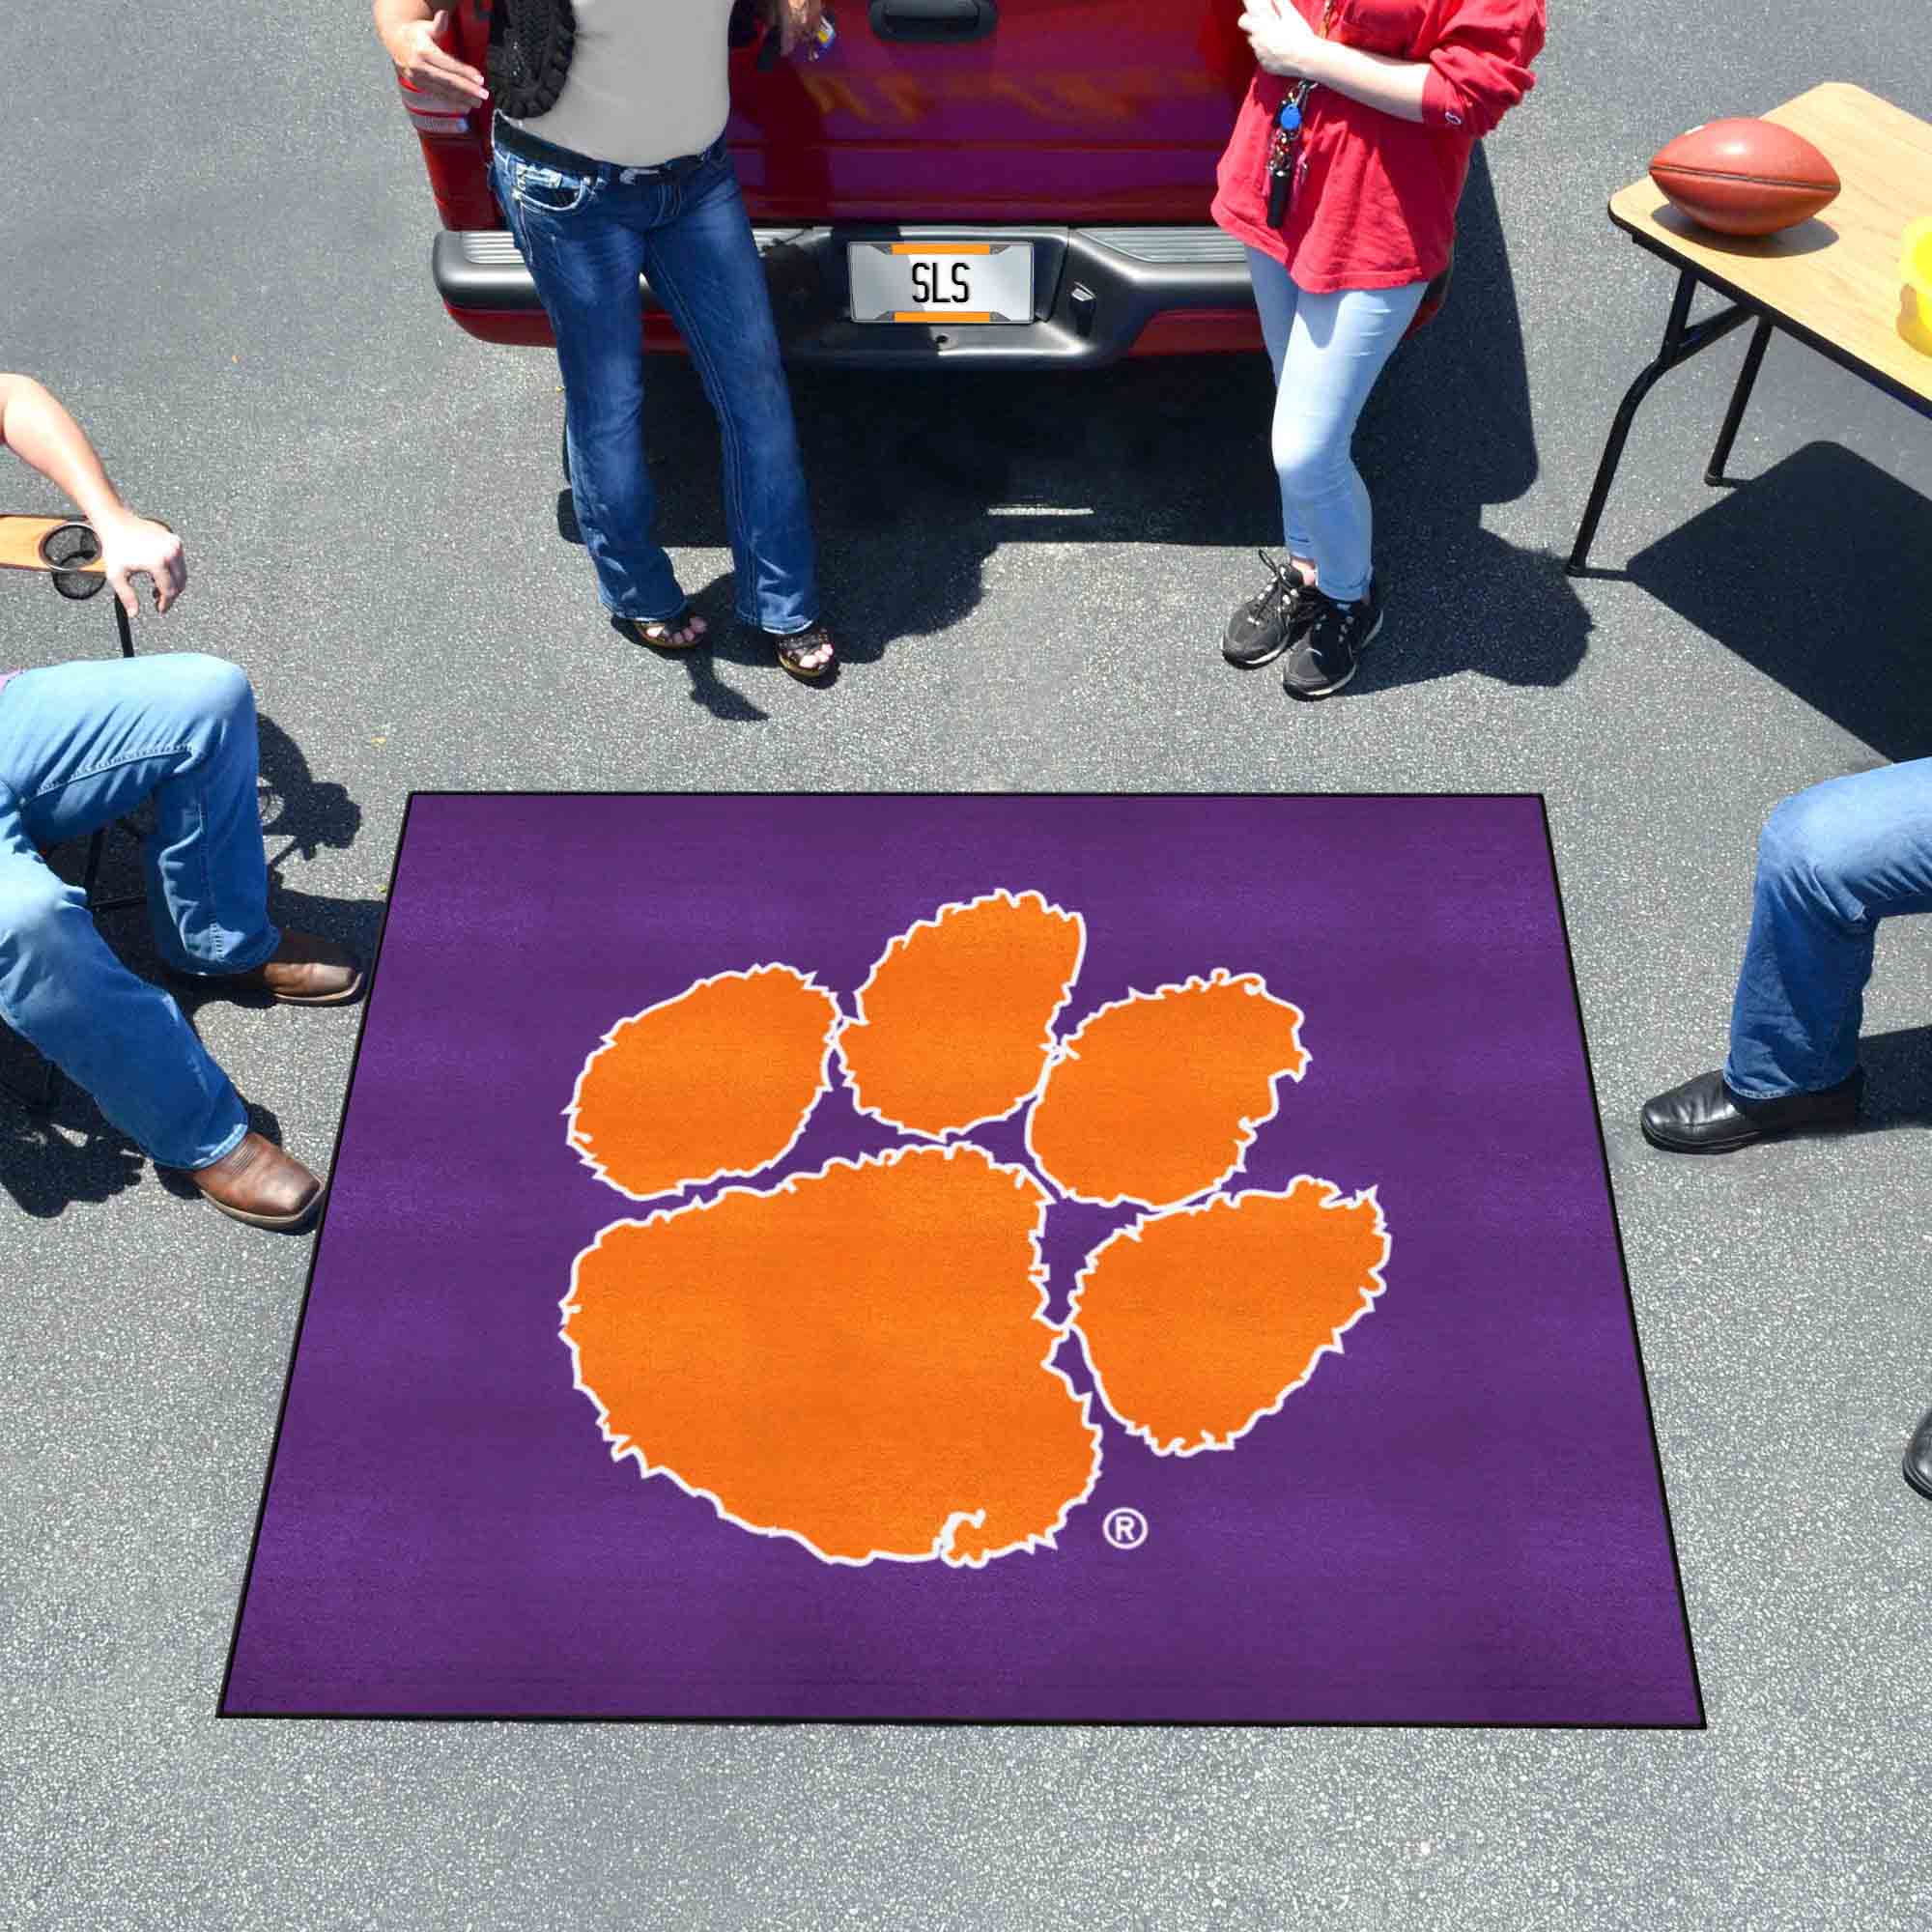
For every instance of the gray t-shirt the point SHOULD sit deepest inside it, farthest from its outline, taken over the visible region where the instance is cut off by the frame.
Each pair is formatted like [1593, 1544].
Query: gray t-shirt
[648, 81]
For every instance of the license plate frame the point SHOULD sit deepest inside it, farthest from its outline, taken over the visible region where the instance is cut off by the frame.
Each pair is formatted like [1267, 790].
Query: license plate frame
[976, 283]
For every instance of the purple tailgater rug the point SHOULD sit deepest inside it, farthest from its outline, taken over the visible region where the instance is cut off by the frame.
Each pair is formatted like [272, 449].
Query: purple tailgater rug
[1454, 1514]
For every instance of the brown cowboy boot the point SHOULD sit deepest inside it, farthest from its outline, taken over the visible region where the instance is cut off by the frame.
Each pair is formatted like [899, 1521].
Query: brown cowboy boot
[305, 969]
[257, 1183]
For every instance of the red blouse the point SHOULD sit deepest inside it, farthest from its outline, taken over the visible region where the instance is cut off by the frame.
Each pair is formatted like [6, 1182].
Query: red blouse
[1374, 196]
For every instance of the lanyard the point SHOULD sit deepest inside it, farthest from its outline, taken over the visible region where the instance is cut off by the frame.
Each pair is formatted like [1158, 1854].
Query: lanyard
[1287, 133]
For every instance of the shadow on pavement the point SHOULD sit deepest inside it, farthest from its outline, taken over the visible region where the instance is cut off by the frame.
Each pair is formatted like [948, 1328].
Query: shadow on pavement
[47, 1163]
[1898, 1077]
[1818, 573]
[918, 477]
[1446, 431]
[297, 807]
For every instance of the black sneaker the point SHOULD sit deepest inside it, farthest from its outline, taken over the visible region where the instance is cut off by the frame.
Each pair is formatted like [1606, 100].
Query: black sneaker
[1265, 626]
[1326, 656]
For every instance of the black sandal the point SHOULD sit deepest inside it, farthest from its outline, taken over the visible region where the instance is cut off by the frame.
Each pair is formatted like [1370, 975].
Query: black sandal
[793, 647]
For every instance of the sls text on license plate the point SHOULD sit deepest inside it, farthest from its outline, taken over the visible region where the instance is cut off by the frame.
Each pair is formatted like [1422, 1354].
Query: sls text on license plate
[941, 281]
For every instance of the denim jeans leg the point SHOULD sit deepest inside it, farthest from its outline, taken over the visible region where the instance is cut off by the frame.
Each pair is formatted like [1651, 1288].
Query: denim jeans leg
[585, 263]
[1275, 294]
[120, 1040]
[1833, 860]
[705, 268]
[1333, 349]
[84, 743]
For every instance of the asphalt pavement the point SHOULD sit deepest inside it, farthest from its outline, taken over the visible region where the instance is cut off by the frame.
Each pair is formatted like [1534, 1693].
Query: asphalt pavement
[217, 236]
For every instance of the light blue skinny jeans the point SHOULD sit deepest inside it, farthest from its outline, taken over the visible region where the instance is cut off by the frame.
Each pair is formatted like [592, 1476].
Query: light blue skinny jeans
[81, 744]
[585, 236]
[1832, 862]
[1327, 351]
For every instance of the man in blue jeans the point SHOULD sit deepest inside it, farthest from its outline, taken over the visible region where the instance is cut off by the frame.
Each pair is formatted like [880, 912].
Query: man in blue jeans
[1832, 862]
[609, 161]
[82, 743]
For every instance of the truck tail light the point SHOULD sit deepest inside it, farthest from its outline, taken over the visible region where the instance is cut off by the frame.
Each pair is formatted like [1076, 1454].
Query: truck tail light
[431, 120]
[424, 117]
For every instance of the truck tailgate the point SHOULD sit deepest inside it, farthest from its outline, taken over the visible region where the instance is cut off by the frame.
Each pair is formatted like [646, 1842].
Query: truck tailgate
[1064, 111]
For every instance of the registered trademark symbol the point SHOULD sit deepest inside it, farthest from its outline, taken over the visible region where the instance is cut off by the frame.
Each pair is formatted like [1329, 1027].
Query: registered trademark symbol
[1125, 1529]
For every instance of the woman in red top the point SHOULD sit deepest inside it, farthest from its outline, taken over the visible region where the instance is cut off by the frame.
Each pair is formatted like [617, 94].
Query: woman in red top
[1342, 177]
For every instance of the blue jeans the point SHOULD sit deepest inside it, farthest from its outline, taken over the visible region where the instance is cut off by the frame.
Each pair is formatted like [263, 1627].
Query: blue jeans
[1832, 862]
[586, 237]
[1327, 351]
[81, 744]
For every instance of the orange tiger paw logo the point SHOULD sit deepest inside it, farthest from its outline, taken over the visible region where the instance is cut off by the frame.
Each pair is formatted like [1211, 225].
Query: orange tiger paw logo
[861, 1357]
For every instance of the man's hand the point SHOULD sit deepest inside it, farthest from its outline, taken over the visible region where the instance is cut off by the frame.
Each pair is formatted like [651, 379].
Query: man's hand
[42, 434]
[436, 75]
[797, 20]
[131, 547]
[1283, 42]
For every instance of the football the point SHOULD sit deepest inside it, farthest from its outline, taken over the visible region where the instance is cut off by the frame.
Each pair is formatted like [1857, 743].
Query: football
[1744, 177]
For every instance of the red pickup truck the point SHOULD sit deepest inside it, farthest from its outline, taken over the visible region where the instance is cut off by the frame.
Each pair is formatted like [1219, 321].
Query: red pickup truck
[1056, 155]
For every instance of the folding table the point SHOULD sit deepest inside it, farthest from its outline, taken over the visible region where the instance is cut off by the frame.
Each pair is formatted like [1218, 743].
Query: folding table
[1833, 282]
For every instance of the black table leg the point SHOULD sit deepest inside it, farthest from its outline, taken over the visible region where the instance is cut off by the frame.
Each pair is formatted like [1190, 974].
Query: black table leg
[1740, 396]
[95, 849]
[40, 1100]
[96, 844]
[1681, 342]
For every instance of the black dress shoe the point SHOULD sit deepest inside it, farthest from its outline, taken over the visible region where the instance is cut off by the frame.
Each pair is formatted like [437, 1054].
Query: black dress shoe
[1918, 1456]
[1703, 1115]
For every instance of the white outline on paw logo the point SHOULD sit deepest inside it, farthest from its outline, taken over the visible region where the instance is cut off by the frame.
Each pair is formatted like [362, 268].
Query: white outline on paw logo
[852, 1357]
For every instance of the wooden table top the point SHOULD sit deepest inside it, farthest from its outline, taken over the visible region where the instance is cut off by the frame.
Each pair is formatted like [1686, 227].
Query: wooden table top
[20, 540]
[1836, 277]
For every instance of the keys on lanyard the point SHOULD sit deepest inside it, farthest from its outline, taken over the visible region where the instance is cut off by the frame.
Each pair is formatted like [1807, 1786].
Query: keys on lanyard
[823, 36]
[1287, 136]
[1282, 147]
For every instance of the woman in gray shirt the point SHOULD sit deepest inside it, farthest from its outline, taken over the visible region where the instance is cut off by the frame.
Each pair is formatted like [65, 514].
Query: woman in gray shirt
[609, 163]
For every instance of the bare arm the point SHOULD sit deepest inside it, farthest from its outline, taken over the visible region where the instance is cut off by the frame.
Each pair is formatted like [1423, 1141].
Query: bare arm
[412, 32]
[1285, 43]
[1395, 86]
[42, 434]
[1474, 75]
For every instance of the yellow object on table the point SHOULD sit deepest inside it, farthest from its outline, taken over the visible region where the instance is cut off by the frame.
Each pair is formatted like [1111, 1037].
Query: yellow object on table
[1915, 307]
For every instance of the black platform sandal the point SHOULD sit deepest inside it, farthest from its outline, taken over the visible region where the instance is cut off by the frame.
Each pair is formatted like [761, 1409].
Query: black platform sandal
[796, 647]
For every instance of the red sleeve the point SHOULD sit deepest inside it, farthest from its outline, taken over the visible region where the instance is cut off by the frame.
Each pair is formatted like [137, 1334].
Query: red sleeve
[1480, 63]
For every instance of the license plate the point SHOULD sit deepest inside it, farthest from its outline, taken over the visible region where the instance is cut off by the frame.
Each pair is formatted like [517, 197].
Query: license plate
[941, 281]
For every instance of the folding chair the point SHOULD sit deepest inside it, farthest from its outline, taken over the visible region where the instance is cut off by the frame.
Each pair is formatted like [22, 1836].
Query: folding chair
[69, 555]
